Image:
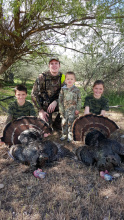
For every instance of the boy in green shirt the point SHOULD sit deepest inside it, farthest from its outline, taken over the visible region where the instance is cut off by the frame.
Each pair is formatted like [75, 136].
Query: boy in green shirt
[20, 107]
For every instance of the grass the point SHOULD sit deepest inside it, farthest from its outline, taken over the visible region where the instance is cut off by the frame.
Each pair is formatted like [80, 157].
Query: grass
[70, 190]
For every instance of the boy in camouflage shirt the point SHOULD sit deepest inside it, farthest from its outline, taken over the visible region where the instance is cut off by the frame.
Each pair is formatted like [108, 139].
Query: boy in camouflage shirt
[20, 107]
[96, 103]
[69, 105]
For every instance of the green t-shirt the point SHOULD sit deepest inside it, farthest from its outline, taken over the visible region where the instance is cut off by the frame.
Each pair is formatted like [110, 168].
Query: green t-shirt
[17, 111]
[96, 105]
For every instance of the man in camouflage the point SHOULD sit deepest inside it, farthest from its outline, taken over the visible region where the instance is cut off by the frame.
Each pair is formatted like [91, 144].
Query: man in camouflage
[69, 105]
[46, 90]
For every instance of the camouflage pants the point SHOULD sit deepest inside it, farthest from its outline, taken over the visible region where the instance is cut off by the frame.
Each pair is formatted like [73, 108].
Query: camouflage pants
[54, 120]
[67, 125]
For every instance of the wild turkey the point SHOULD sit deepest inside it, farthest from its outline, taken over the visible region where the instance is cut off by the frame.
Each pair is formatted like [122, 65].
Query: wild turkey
[13, 129]
[35, 152]
[99, 150]
[84, 124]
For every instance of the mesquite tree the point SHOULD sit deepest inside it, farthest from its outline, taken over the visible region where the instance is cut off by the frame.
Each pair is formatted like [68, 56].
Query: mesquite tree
[31, 26]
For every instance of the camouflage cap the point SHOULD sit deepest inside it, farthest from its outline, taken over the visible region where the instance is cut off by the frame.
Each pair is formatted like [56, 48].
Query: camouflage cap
[54, 58]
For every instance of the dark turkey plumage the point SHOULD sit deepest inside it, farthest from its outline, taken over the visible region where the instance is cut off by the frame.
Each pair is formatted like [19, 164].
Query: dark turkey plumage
[99, 150]
[36, 152]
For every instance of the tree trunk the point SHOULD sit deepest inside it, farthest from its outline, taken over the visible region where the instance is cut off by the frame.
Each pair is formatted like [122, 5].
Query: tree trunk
[4, 66]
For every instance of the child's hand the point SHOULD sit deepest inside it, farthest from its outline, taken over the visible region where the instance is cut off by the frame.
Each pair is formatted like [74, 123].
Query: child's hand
[76, 112]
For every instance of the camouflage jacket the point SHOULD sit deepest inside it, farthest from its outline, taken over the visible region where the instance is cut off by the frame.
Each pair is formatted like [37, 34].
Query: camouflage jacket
[96, 105]
[46, 89]
[69, 100]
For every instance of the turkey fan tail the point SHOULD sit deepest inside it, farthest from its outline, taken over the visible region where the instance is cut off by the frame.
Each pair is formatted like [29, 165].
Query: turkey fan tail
[110, 124]
[13, 129]
[84, 124]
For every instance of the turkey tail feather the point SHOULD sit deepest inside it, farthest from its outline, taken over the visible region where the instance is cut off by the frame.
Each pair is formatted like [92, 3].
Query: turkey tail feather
[84, 124]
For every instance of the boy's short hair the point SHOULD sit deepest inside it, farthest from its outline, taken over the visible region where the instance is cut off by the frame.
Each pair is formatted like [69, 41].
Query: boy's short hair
[70, 73]
[20, 87]
[98, 82]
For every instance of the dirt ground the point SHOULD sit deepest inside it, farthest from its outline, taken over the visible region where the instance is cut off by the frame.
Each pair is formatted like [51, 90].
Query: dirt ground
[69, 191]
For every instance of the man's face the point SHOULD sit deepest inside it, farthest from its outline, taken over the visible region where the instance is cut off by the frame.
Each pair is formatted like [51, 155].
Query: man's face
[21, 96]
[54, 66]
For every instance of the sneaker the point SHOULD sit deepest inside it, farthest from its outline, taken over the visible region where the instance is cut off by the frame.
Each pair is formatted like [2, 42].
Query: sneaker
[69, 140]
[63, 137]
[70, 137]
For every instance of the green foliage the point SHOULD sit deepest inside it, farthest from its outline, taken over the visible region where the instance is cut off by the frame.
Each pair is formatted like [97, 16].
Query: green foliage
[34, 27]
[9, 88]
[116, 98]
[83, 95]
[107, 67]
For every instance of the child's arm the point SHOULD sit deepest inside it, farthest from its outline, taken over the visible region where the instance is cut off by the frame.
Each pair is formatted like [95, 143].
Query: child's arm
[87, 105]
[77, 111]
[61, 102]
[86, 110]
[102, 112]
[105, 106]
[32, 110]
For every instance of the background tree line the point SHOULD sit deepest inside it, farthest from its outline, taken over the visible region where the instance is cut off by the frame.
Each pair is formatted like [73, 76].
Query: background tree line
[32, 31]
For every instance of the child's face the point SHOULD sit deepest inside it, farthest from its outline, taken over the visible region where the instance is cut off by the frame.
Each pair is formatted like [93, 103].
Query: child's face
[21, 96]
[98, 91]
[70, 80]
